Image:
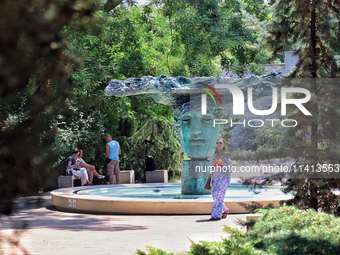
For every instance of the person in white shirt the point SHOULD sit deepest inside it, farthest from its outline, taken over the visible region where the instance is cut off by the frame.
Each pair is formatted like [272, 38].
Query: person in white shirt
[75, 169]
[91, 170]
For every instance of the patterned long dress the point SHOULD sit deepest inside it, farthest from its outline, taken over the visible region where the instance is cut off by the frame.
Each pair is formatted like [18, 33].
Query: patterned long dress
[219, 182]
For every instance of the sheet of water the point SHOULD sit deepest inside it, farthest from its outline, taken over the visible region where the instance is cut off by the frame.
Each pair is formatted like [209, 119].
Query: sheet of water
[174, 192]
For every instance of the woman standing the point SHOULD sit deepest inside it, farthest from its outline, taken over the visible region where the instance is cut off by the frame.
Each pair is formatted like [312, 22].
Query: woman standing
[220, 179]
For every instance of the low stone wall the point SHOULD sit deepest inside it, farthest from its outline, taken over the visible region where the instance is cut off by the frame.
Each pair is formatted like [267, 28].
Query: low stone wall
[157, 176]
[126, 177]
[68, 181]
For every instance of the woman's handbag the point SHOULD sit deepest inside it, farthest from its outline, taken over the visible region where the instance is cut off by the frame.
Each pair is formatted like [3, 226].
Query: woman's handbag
[207, 185]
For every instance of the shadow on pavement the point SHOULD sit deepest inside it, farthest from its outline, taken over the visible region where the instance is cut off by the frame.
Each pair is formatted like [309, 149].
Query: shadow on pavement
[31, 213]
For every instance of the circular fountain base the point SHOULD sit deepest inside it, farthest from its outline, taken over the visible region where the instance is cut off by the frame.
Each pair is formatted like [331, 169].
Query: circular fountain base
[155, 198]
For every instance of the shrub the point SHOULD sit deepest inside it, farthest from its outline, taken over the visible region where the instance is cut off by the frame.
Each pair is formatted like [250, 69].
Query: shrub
[288, 230]
[284, 230]
[153, 251]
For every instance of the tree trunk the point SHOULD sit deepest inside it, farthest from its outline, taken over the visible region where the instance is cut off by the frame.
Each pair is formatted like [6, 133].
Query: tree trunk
[313, 201]
[111, 4]
[313, 39]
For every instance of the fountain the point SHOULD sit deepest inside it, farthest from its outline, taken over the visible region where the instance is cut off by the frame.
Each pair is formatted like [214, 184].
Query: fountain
[196, 131]
[194, 116]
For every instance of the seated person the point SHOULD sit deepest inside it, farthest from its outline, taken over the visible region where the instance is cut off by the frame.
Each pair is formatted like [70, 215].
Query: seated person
[77, 171]
[90, 168]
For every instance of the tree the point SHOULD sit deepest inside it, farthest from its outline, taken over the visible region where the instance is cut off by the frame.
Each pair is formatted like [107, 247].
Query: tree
[35, 85]
[117, 52]
[133, 42]
[212, 33]
[111, 4]
[314, 26]
[159, 140]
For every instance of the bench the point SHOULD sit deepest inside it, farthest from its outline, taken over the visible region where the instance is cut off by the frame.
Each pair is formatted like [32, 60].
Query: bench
[157, 176]
[126, 177]
[68, 181]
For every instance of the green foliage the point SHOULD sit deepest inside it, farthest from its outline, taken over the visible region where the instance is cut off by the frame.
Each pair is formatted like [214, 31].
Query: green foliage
[315, 141]
[318, 191]
[227, 247]
[159, 140]
[116, 52]
[83, 132]
[172, 38]
[57, 60]
[280, 231]
[288, 230]
[34, 85]
[265, 141]
[208, 30]
[255, 206]
[153, 251]
[231, 246]
[249, 224]
[140, 127]
[311, 27]
[261, 144]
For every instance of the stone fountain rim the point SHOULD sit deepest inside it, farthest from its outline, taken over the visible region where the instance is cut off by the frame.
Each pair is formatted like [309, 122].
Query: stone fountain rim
[63, 198]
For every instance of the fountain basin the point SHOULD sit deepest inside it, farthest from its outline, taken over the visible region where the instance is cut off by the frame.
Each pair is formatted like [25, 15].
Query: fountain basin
[156, 198]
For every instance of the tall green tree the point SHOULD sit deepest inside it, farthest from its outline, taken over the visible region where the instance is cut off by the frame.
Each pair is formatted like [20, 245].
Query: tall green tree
[213, 33]
[117, 53]
[314, 27]
[34, 78]
[152, 40]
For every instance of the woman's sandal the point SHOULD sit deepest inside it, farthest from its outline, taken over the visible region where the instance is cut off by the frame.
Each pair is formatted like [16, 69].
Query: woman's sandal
[225, 214]
[101, 177]
[215, 218]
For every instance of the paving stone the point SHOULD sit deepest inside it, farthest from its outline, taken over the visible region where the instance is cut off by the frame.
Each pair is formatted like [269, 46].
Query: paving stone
[52, 232]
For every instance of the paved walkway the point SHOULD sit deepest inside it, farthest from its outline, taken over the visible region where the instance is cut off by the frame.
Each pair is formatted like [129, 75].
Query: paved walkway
[50, 231]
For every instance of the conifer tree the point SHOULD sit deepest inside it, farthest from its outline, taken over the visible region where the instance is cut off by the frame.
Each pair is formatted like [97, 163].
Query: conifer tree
[313, 27]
